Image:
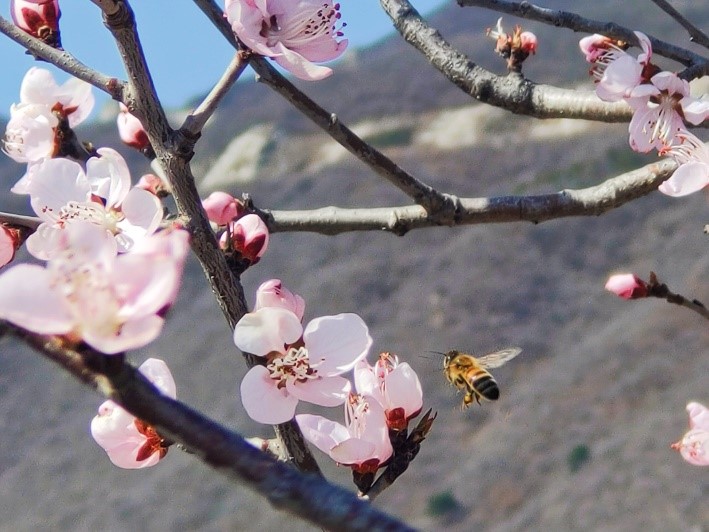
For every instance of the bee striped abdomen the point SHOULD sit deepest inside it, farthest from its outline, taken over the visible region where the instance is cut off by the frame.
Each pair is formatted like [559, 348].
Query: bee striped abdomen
[486, 386]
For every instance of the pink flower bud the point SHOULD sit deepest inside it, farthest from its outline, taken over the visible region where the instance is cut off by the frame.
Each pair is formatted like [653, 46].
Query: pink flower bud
[131, 130]
[529, 42]
[152, 184]
[222, 208]
[249, 237]
[627, 286]
[8, 244]
[39, 18]
[273, 294]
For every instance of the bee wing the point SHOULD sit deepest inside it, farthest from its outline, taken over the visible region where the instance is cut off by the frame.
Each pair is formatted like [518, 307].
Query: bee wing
[496, 359]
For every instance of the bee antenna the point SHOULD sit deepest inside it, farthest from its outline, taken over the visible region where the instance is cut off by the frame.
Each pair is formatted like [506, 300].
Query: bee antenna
[436, 352]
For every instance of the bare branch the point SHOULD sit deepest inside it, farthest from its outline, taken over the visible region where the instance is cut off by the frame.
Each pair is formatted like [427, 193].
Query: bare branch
[195, 121]
[511, 92]
[695, 33]
[565, 19]
[63, 60]
[28, 222]
[307, 496]
[592, 201]
[423, 194]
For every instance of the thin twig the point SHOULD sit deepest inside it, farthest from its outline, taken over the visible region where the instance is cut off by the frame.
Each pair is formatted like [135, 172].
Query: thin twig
[195, 121]
[592, 201]
[28, 222]
[63, 60]
[660, 290]
[697, 35]
[307, 496]
[572, 21]
[426, 196]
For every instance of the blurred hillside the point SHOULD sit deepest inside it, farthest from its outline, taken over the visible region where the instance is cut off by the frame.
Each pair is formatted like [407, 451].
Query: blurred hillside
[580, 437]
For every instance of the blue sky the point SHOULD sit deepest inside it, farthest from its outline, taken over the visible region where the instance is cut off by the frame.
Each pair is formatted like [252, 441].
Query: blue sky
[186, 55]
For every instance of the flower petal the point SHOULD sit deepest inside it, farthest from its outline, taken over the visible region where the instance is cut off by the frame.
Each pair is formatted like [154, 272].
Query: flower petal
[688, 178]
[336, 343]
[268, 329]
[322, 432]
[263, 401]
[328, 391]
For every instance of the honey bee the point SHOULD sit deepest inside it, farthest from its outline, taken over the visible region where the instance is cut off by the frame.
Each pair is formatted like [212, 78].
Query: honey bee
[466, 372]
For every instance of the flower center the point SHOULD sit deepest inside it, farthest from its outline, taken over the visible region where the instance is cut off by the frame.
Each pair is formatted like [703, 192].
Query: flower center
[293, 366]
[93, 212]
[303, 26]
[355, 414]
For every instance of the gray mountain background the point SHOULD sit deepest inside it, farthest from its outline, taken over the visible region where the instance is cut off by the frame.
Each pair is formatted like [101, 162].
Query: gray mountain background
[579, 439]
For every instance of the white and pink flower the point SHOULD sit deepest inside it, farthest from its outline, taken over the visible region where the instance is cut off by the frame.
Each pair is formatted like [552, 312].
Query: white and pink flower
[88, 293]
[694, 446]
[395, 386]
[660, 109]
[61, 194]
[693, 172]
[363, 443]
[30, 133]
[129, 442]
[272, 293]
[617, 72]
[295, 33]
[301, 363]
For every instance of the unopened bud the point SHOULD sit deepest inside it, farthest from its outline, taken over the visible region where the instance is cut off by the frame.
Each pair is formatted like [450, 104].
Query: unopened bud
[222, 208]
[131, 130]
[248, 236]
[627, 286]
[39, 18]
[9, 242]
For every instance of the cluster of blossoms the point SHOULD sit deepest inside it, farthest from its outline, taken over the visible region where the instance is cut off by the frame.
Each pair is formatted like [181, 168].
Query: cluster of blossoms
[694, 446]
[293, 33]
[111, 274]
[307, 363]
[245, 234]
[661, 104]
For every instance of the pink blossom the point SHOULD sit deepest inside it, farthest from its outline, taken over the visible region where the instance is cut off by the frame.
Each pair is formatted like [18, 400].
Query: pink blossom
[594, 46]
[272, 293]
[694, 446]
[362, 443]
[619, 73]
[129, 442]
[222, 208]
[131, 130]
[61, 193]
[8, 244]
[627, 286]
[30, 133]
[693, 172]
[248, 236]
[87, 292]
[301, 364]
[39, 18]
[660, 109]
[294, 33]
[395, 386]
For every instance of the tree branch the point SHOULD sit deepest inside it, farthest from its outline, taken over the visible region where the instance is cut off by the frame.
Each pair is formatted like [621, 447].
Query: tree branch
[426, 196]
[572, 21]
[511, 92]
[63, 60]
[592, 201]
[308, 496]
[661, 291]
[697, 35]
[174, 151]
[195, 121]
